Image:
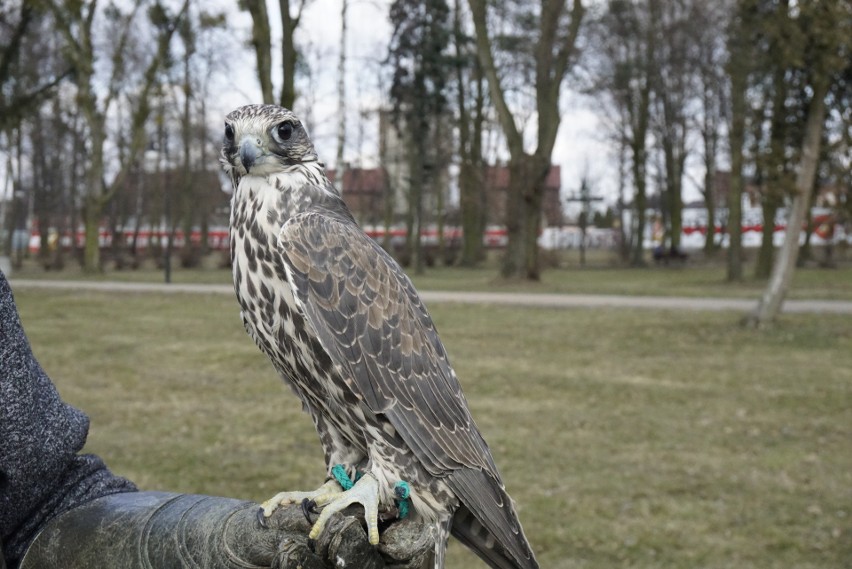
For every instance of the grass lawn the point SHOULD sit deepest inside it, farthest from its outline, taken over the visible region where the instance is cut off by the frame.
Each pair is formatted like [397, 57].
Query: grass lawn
[628, 438]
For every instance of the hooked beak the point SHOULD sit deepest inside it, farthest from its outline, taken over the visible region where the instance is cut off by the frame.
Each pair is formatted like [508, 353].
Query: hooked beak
[249, 152]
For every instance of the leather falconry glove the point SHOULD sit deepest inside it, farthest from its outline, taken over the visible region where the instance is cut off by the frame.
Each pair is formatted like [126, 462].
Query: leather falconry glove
[159, 530]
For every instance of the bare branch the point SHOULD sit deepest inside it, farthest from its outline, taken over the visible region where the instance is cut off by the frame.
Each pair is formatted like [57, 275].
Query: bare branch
[10, 52]
[486, 58]
[118, 57]
[143, 107]
[262, 42]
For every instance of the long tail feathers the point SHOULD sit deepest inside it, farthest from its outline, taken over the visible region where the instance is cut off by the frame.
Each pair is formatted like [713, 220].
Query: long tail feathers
[486, 521]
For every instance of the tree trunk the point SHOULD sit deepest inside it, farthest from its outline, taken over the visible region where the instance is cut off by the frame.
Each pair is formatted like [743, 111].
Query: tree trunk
[188, 192]
[261, 41]
[92, 229]
[388, 213]
[471, 184]
[523, 217]
[78, 156]
[777, 180]
[288, 53]
[533, 202]
[472, 219]
[624, 234]
[414, 217]
[437, 183]
[710, 137]
[640, 202]
[640, 117]
[416, 234]
[513, 258]
[782, 272]
[766, 253]
[711, 93]
[674, 198]
[710, 205]
[806, 252]
[737, 70]
[42, 186]
[93, 204]
[734, 224]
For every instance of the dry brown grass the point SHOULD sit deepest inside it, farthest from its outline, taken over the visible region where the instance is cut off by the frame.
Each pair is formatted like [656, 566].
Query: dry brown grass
[628, 438]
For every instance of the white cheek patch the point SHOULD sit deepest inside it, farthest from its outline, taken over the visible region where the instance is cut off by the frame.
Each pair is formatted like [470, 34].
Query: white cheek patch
[265, 166]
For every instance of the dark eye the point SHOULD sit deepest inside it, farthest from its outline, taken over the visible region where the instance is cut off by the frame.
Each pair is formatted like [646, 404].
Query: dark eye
[284, 131]
[229, 133]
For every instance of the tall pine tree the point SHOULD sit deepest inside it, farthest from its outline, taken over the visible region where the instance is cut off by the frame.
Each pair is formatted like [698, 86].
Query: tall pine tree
[421, 70]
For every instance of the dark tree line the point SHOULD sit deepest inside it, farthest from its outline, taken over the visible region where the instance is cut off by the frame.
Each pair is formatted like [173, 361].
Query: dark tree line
[750, 85]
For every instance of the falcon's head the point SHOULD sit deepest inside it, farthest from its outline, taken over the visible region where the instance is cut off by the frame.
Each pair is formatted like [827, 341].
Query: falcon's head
[262, 140]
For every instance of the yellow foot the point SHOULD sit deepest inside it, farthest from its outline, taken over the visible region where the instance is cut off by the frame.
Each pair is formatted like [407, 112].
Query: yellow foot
[320, 496]
[364, 492]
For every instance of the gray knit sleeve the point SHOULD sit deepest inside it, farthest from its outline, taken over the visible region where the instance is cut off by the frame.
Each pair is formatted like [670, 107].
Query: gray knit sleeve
[41, 473]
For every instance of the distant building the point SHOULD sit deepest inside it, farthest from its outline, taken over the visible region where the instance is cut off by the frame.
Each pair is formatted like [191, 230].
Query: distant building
[832, 195]
[197, 199]
[497, 187]
[393, 157]
[364, 190]
[827, 195]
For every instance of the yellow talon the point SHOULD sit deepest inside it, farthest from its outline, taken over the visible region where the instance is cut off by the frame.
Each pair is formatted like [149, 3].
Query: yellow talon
[364, 492]
[322, 495]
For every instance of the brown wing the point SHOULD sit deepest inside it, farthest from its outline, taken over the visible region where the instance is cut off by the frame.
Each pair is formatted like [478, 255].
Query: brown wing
[373, 324]
[371, 321]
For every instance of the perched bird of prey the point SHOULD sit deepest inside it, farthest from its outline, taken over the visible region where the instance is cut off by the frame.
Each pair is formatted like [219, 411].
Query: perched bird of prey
[346, 329]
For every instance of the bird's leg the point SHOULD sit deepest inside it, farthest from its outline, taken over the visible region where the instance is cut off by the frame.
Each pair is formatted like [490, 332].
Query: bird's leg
[364, 492]
[440, 531]
[320, 496]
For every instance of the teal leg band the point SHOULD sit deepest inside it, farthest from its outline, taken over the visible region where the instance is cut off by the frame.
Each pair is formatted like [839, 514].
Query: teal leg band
[401, 489]
[339, 473]
[403, 500]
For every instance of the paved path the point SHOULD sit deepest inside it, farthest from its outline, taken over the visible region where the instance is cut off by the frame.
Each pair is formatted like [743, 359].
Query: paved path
[511, 298]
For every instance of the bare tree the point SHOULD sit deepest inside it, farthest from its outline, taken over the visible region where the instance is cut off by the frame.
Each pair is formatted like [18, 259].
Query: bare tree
[33, 113]
[261, 40]
[75, 25]
[555, 46]
[627, 43]
[421, 69]
[782, 271]
[673, 78]
[738, 68]
[470, 120]
[709, 20]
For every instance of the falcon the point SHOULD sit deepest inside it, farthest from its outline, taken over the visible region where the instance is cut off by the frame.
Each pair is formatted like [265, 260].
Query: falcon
[347, 331]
